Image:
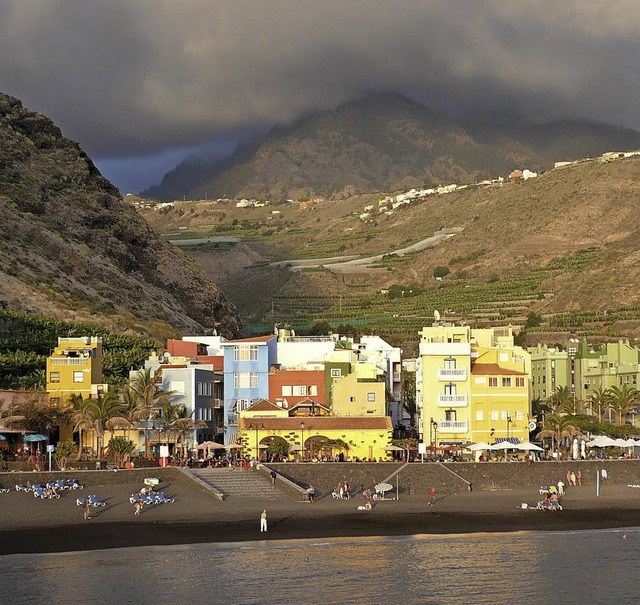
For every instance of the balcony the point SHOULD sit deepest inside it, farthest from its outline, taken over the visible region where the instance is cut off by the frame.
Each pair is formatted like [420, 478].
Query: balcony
[453, 426]
[452, 374]
[218, 403]
[452, 401]
[69, 361]
[232, 419]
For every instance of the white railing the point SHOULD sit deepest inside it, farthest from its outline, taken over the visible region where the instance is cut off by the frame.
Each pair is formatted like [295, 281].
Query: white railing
[69, 361]
[452, 374]
[453, 426]
[452, 400]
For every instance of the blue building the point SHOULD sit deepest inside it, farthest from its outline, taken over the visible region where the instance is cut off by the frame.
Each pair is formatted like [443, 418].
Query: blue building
[247, 362]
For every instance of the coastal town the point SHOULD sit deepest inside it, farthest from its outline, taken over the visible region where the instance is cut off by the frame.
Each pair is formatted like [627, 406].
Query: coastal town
[285, 397]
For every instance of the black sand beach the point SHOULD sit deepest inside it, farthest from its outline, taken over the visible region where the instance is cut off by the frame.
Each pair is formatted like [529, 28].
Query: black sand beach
[30, 525]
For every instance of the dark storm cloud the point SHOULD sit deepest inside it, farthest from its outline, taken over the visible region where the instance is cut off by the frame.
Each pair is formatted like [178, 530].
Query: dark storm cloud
[133, 77]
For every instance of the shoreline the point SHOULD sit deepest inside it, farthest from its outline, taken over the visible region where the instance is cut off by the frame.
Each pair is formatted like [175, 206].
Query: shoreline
[99, 536]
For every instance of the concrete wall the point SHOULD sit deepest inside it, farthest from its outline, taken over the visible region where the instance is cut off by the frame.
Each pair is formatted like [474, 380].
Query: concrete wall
[450, 478]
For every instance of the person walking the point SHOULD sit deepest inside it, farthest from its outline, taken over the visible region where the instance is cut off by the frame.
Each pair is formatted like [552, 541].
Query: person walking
[272, 474]
[263, 521]
[432, 497]
[137, 506]
[86, 510]
[573, 479]
[560, 488]
[579, 477]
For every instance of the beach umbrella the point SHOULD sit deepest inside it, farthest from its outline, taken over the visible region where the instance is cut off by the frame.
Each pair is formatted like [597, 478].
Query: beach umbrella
[451, 448]
[3, 438]
[383, 487]
[527, 446]
[477, 447]
[392, 448]
[503, 445]
[34, 438]
[601, 441]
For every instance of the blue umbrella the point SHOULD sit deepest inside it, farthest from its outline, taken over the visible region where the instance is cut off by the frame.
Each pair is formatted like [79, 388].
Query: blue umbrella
[36, 437]
[3, 438]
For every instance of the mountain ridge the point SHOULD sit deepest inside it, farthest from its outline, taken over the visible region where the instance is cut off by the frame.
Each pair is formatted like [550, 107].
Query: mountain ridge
[386, 141]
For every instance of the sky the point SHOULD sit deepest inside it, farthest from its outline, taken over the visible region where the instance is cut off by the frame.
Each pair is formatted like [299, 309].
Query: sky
[143, 84]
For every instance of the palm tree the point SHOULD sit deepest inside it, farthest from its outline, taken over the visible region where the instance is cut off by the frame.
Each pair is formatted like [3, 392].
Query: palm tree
[560, 399]
[600, 400]
[557, 427]
[150, 399]
[180, 422]
[101, 413]
[623, 400]
[78, 419]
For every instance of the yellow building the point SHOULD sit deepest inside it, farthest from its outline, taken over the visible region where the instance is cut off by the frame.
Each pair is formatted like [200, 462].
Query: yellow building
[75, 367]
[472, 385]
[313, 437]
[360, 393]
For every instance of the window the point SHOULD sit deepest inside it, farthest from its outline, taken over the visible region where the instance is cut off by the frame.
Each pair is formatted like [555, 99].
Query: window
[300, 391]
[519, 415]
[200, 388]
[493, 381]
[336, 372]
[504, 414]
[245, 353]
[245, 380]
[479, 415]
[371, 396]
[450, 415]
[506, 381]
[450, 389]
[352, 399]
[78, 376]
[494, 414]
[479, 380]
[312, 390]
[519, 381]
[54, 376]
[286, 391]
[450, 364]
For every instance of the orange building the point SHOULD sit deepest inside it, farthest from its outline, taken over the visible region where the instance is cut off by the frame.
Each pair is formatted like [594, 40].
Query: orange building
[294, 386]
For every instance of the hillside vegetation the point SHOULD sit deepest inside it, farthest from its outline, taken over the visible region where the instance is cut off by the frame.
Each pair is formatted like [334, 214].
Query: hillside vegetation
[564, 245]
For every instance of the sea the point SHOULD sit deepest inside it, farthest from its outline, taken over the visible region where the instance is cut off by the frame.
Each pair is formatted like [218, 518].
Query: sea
[585, 567]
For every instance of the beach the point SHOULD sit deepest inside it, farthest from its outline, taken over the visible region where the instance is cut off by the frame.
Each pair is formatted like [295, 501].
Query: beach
[30, 525]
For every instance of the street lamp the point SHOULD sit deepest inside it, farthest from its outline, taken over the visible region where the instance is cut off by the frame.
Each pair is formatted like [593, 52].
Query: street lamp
[508, 423]
[302, 441]
[434, 426]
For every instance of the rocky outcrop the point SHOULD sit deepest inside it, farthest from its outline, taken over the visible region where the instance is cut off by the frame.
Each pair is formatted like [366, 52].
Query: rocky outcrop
[73, 249]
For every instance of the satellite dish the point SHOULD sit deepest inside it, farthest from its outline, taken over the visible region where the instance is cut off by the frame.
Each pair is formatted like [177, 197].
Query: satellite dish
[436, 315]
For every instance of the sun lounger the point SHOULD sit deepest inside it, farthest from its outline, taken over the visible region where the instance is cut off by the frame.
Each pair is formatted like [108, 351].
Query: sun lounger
[93, 501]
[161, 498]
[23, 488]
[73, 484]
[4, 490]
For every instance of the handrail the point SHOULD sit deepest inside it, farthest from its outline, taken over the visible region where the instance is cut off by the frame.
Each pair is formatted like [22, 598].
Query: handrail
[456, 474]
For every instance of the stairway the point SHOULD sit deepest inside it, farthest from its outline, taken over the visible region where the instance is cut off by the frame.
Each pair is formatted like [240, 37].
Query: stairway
[239, 483]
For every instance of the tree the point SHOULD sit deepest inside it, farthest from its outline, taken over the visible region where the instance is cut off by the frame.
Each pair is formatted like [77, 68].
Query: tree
[101, 411]
[409, 396]
[440, 272]
[600, 400]
[150, 399]
[121, 447]
[560, 398]
[278, 447]
[64, 450]
[176, 420]
[35, 414]
[557, 427]
[623, 400]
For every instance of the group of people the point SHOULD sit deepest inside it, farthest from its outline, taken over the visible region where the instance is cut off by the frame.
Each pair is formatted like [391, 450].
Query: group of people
[342, 491]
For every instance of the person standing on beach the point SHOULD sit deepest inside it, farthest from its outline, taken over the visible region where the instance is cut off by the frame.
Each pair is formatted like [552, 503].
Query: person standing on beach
[263, 521]
[272, 474]
[432, 497]
[86, 510]
[579, 477]
[573, 479]
[560, 488]
[137, 507]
